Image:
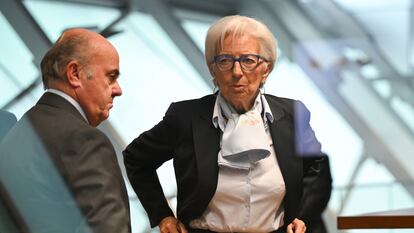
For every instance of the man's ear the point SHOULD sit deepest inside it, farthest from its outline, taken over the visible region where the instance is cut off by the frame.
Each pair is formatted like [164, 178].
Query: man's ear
[73, 70]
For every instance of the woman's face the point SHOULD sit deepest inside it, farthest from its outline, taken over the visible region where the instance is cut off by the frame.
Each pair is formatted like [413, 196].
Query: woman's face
[240, 87]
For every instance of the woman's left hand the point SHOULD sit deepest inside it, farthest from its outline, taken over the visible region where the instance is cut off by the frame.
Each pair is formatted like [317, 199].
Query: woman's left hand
[296, 226]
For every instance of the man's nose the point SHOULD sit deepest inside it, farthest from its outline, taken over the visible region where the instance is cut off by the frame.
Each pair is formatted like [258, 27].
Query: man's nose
[117, 91]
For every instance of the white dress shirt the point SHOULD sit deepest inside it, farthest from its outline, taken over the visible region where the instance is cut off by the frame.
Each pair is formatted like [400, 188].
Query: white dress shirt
[246, 200]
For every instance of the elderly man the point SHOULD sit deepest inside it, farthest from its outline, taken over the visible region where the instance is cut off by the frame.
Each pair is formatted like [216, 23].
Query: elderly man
[59, 170]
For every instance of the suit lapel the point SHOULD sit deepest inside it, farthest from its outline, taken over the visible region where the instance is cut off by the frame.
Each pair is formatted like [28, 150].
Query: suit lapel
[283, 144]
[206, 145]
[57, 101]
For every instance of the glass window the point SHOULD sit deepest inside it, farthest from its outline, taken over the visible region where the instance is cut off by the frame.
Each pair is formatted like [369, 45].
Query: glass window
[154, 73]
[56, 16]
[17, 70]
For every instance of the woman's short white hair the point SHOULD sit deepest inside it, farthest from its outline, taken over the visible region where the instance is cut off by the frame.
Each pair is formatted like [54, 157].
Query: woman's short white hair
[237, 26]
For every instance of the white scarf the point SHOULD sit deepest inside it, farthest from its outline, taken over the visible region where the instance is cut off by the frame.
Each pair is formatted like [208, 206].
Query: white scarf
[244, 141]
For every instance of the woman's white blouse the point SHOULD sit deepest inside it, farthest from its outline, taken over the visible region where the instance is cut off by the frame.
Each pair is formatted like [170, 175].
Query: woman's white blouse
[247, 200]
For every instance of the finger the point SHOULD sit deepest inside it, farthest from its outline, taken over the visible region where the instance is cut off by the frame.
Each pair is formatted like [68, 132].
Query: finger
[173, 229]
[298, 226]
[182, 228]
[289, 228]
[168, 230]
[299, 229]
[170, 227]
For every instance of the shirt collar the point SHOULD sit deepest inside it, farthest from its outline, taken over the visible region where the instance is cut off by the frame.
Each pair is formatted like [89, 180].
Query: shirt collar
[267, 113]
[70, 100]
[219, 120]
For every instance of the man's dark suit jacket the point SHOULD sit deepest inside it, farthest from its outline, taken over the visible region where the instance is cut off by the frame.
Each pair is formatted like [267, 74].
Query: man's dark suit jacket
[187, 135]
[316, 197]
[62, 173]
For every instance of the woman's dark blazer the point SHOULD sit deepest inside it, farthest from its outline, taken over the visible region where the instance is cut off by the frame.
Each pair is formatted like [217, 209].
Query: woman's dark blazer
[187, 135]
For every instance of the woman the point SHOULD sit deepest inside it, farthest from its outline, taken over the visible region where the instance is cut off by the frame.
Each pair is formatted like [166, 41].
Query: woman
[234, 154]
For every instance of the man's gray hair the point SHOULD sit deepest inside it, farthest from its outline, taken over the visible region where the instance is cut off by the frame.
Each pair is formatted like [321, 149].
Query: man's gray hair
[65, 50]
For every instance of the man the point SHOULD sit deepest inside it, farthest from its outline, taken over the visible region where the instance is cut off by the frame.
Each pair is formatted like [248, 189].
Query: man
[62, 172]
[316, 197]
[7, 120]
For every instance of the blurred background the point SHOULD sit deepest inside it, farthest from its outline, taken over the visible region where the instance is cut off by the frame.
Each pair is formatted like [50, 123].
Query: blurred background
[350, 61]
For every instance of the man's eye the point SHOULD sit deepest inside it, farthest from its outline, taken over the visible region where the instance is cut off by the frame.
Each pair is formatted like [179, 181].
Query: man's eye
[112, 78]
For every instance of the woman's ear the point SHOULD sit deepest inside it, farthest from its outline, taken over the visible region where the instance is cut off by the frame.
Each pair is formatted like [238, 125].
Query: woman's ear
[212, 70]
[73, 70]
[216, 86]
[267, 67]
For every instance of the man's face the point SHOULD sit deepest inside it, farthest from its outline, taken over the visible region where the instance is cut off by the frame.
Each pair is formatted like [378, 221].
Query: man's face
[99, 84]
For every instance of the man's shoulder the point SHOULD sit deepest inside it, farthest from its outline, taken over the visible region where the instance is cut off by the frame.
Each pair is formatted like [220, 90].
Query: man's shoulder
[65, 116]
[53, 125]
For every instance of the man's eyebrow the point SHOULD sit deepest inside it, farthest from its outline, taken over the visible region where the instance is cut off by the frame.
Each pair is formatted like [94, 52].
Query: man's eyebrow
[115, 72]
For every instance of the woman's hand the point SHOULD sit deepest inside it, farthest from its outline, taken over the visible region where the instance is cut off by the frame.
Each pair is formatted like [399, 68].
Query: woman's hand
[171, 225]
[297, 226]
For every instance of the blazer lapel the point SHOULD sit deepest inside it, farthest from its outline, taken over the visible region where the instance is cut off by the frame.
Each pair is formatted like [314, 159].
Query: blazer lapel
[282, 138]
[57, 101]
[206, 145]
[284, 146]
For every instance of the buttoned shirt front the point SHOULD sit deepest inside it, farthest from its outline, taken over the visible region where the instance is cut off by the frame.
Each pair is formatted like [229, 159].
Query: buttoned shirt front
[246, 200]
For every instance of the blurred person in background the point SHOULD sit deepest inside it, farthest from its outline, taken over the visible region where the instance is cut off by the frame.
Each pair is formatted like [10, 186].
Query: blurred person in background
[7, 120]
[316, 197]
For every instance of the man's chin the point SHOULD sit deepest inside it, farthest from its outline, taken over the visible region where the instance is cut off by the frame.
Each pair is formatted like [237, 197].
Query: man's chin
[102, 118]
[105, 115]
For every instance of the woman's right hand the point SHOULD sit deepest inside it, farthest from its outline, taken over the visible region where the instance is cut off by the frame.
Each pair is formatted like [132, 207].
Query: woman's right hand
[297, 226]
[171, 225]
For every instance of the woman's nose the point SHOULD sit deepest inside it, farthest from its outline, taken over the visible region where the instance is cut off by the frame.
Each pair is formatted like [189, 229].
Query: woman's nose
[237, 70]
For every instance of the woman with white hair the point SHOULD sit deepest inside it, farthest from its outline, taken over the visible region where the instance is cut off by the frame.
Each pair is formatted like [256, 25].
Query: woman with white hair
[236, 152]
